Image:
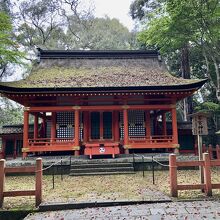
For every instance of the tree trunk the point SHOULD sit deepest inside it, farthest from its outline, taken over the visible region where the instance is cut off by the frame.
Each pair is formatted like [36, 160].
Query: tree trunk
[217, 79]
[185, 69]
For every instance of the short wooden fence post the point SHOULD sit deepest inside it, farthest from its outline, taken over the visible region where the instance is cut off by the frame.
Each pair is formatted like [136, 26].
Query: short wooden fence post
[38, 184]
[2, 181]
[173, 175]
[218, 151]
[207, 174]
[210, 151]
[196, 149]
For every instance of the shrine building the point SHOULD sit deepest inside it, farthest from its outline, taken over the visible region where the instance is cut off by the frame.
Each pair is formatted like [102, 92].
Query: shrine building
[99, 102]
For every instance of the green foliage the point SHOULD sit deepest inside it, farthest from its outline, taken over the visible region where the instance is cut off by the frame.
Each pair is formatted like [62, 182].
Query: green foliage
[11, 113]
[209, 107]
[101, 34]
[8, 47]
[172, 25]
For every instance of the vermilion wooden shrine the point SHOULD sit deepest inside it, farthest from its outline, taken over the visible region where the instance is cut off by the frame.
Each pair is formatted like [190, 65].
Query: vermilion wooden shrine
[99, 102]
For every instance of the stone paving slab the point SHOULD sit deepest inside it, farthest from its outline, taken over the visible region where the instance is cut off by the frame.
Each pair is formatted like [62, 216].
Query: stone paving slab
[198, 210]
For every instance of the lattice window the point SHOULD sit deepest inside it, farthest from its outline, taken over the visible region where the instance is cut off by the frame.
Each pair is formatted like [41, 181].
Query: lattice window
[48, 129]
[81, 126]
[121, 125]
[65, 124]
[136, 123]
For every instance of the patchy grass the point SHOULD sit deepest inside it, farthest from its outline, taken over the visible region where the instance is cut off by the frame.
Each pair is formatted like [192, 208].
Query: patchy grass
[99, 188]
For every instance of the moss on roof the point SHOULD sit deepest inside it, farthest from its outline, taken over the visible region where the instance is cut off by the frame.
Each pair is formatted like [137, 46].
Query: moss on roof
[81, 73]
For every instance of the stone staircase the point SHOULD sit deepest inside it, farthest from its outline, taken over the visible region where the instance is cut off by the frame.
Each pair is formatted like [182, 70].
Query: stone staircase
[101, 168]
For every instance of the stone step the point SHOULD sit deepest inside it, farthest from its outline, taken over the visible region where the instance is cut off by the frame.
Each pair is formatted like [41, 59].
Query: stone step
[102, 169]
[97, 165]
[101, 173]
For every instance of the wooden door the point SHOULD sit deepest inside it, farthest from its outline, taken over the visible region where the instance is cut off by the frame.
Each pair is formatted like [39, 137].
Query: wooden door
[101, 126]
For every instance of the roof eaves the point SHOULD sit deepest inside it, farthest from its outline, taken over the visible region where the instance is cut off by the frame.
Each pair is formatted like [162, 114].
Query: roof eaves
[189, 86]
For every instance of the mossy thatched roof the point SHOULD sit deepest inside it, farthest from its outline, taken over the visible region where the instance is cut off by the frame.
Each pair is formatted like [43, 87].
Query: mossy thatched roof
[99, 72]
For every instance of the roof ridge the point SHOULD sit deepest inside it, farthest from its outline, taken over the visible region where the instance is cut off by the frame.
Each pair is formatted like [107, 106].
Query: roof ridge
[115, 54]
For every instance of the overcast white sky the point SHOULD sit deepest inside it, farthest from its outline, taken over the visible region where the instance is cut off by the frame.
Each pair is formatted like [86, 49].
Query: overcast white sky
[114, 9]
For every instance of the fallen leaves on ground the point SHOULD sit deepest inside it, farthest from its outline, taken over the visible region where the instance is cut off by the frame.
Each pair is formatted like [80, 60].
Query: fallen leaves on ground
[105, 188]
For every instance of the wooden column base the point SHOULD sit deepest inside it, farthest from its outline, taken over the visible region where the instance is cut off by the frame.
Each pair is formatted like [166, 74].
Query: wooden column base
[76, 152]
[126, 151]
[176, 151]
[24, 155]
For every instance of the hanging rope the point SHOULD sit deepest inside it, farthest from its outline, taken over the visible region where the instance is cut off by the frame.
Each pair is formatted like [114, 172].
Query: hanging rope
[53, 164]
[164, 165]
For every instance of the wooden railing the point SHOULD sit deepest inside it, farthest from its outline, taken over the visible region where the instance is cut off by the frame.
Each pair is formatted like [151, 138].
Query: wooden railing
[206, 163]
[214, 151]
[26, 169]
[152, 139]
[50, 141]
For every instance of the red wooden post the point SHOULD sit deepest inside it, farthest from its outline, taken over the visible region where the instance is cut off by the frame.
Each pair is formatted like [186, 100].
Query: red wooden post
[76, 131]
[164, 125]
[15, 149]
[85, 126]
[218, 151]
[174, 128]
[38, 184]
[25, 132]
[53, 126]
[147, 124]
[210, 151]
[207, 174]
[35, 126]
[155, 123]
[173, 175]
[2, 181]
[116, 126]
[196, 148]
[126, 134]
[3, 148]
[203, 148]
[44, 125]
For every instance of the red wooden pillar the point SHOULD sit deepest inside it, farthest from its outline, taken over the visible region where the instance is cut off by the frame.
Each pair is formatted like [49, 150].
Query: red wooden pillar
[15, 148]
[3, 148]
[126, 134]
[76, 131]
[207, 174]
[147, 124]
[116, 126]
[35, 126]
[174, 128]
[53, 126]
[85, 126]
[25, 133]
[44, 125]
[164, 124]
